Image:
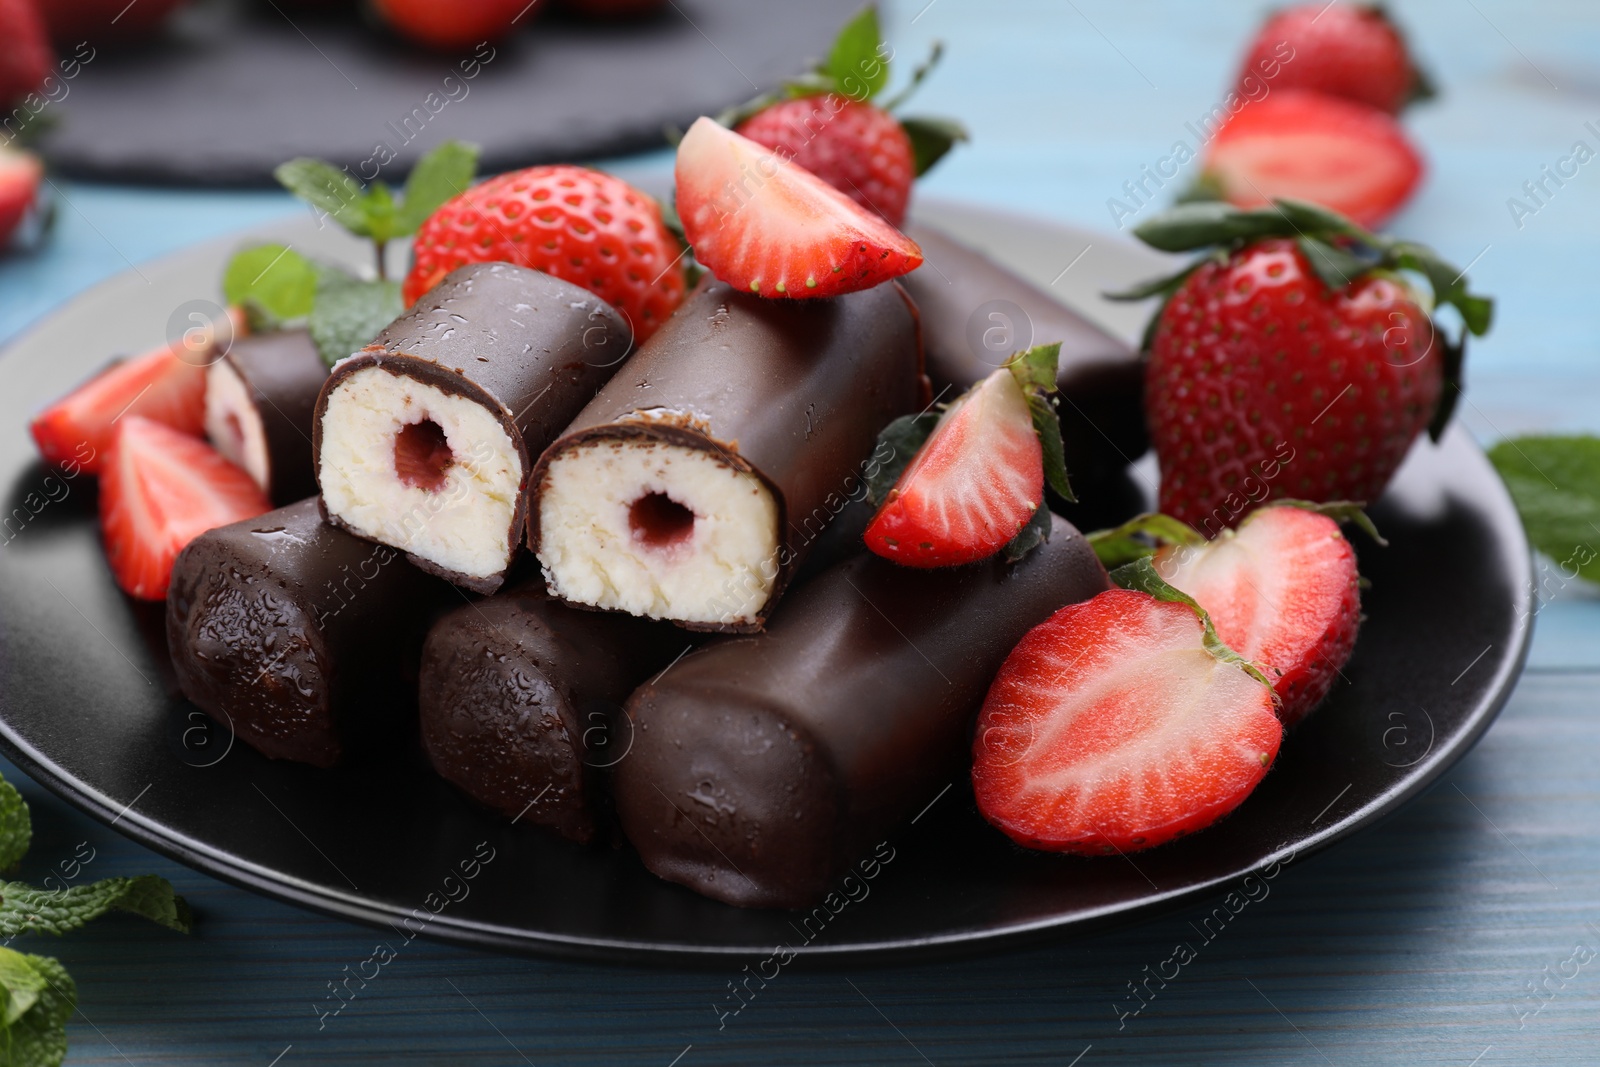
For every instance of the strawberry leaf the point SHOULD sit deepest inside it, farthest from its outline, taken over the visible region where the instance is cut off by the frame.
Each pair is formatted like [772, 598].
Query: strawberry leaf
[438, 176]
[1141, 576]
[273, 283]
[1335, 266]
[1340, 511]
[902, 437]
[854, 64]
[931, 139]
[349, 313]
[1030, 537]
[328, 189]
[1048, 426]
[1142, 536]
[1555, 482]
[1204, 223]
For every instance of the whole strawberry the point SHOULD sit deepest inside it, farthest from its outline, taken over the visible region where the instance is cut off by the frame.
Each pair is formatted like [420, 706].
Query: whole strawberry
[25, 56]
[447, 25]
[825, 122]
[578, 224]
[1348, 50]
[1295, 360]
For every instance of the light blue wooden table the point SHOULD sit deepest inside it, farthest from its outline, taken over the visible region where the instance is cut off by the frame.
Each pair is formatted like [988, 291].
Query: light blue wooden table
[1416, 942]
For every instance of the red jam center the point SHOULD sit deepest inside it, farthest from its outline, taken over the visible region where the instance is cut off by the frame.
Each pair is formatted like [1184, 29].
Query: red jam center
[660, 521]
[422, 456]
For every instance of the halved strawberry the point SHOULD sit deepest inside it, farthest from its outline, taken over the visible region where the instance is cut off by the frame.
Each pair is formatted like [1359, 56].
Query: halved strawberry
[1303, 145]
[167, 384]
[972, 486]
[1112, 728]
[20, 175]
[1283, 592]
[761, 223]
[159, 490]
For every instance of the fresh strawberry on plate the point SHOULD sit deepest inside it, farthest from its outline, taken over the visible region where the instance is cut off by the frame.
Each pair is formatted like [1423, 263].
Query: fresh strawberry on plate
[1296, 358]
[159, 490]
[1114, 727]
[978, 479]
[167, 384]
[1347, 156]
[455, 24]
[1348, 50]
[1282, 590]
[581, 225]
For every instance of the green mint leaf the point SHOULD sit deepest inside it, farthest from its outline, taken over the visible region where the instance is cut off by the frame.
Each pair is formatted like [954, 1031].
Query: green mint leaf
[1030, 537]
[273, 283]
[1336, 266]
[24, 909]
[1141, 576]
[1035, 369]
[925, 68]
[16, 827]
[329, 190]
[1555, 481]
[854, 65]
[349, 313]
[20, 985]
[443, 173]
[1340, 511]
[931, 139]
[37, 1037]
[1142, 535]
[383, 223]
[1048, 426]
[903, 437]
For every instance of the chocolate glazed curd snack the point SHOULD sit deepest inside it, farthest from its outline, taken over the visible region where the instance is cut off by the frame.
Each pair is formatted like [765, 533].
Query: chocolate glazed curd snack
[762, 768]
[425, 438]
[684, 490]
[1101, 379]
[296, 634]
[260, 397]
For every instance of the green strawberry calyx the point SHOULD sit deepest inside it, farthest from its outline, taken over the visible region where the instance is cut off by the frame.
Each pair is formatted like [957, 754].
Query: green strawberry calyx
[1145, 535]
[857, 68]
[1339, 252]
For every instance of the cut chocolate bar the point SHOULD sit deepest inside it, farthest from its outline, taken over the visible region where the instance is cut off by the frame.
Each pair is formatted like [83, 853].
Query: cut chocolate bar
[424, 439]
[762, 768]
[521, 702]
[692, 485]
[296, 635]
[976, 314]
[259, 401]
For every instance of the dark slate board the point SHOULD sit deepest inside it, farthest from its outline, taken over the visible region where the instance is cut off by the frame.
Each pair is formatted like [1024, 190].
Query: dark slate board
[235, 87]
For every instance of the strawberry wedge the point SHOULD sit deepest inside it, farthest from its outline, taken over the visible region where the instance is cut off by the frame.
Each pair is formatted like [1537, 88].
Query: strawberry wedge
[167, 384]
[763, 224]
[159, 490]
[1112, 728]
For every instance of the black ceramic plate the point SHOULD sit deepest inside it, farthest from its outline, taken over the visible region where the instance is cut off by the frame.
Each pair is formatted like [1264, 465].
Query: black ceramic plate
[88, 709]
[235, 87]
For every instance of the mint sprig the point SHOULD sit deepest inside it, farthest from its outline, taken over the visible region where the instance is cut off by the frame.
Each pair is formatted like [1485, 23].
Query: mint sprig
[1141, 576]
[1555, 483]
[279, 289]
[274, 284]
[857, 67]
[39, 998]
[350, 312]
[372, 211]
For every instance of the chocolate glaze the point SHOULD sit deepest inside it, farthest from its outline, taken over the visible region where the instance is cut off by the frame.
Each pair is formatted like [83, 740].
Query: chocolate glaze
[762, 768]
[530, 348]
[793, 391]
[521, 702]
[1100, 378]
[284, 375]
[297, 635]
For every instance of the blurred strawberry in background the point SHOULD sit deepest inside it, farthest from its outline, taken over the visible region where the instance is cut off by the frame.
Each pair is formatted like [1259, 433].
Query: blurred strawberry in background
[1347, 50]
[613, 9]
[452, 24]
[101, 21]
[25, 56]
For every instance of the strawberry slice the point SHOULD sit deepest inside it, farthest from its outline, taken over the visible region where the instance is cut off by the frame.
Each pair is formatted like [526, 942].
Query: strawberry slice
[1283, 592]
[159, 490]
[1111, 728]
[761, 223]
[1302, 145]
[971, 488]
[20, 174]
[167, 384]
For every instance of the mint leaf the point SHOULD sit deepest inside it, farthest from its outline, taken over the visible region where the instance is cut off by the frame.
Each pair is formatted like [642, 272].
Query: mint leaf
[441, 174]
[1142, 536]
[1141, 576]
[854, 64]
[24, 909]
[272, 282]
[931, 139]
[1030, 537]
[382, 214]
[329, 190]
[1555, 481]
[349, 313]
[16, 827]
[904, 436]
[37, 1036]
